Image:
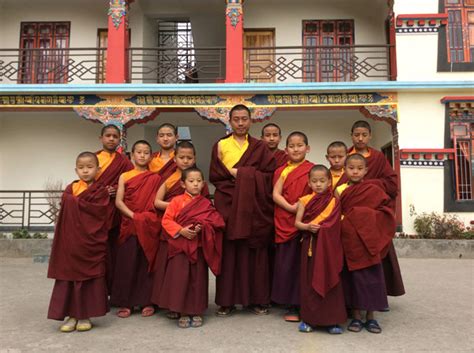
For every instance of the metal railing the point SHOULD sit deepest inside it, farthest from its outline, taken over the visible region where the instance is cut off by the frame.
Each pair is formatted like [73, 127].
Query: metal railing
[177, 65]
[29, 209]
[47, 65]
[318, 63]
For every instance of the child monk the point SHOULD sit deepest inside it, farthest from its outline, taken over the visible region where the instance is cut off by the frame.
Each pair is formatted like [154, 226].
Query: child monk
[271, 134]
[319, 220]
[378, 167]
[138, 240]
[194, 229]
[112, 164]
[184, 158]
[78, 255]
[162, 162]
[336, 156]
[368, 226]
[290, 183]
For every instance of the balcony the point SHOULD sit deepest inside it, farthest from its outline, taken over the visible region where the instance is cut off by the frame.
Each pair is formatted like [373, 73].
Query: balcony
[342, 63]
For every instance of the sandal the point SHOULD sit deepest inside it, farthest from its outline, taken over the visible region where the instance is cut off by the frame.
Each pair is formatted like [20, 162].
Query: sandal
[356, 325]
[292, 315]
[258, 310]
[172, 315]
[84, 325]
[124, 313]
[335, 330]
[148, 311]
[373, 326]
[196, 321]
[184, 322]
[304, 327]
[69, 325]
[225, 311]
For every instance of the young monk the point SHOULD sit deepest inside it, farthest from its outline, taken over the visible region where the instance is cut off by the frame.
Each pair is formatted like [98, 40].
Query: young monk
[319, 220]
[112, 164]
[290, 183]
[379, 168]
[194, 229]
[336, 156]
[163, 161]
[368, 226]
[185, 158]
[78, 255]
[271, 134]
[138, 240]
[241, 169]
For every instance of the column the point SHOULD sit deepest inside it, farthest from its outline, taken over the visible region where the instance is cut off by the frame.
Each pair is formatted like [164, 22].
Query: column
[117, 42]
[234, 42]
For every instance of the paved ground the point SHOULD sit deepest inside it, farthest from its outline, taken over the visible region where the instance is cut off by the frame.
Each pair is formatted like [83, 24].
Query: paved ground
[436, 315]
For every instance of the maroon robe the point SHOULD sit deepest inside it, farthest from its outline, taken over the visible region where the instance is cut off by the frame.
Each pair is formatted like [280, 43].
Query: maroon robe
[110, 177]
[322, 258]
[379, 168]
[78, 255]
[138, 243]
[245, 202]
[161, 260]
[281, 157]
[286, 271]
[185, 286]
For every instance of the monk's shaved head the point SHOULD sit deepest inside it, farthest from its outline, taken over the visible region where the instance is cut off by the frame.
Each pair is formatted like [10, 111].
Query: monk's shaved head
[88, 154]
[361, 123]
[320, 168]
[357, 157]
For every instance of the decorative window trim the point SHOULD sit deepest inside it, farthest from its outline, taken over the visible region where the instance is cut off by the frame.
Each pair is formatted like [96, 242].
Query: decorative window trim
[420, 23]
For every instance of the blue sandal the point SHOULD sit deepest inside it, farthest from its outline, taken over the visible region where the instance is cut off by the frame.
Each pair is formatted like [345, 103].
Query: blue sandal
[335, 330]
[304, 327]
[356, 325]
[373, 326]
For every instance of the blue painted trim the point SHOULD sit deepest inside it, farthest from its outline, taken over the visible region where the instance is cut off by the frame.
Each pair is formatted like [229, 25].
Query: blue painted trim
[236, 88]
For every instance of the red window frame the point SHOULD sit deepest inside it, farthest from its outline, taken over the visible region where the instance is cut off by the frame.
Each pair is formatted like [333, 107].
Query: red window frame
[460, 30]
[47, 63]
[328, 64]
[463, 142]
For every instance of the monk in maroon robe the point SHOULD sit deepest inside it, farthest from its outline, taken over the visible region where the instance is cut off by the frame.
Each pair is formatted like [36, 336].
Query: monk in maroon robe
[241, 170]
[271, 134]
[290, 183]
[194, 229]
[78, 255]
[112, 164]
[379, 168]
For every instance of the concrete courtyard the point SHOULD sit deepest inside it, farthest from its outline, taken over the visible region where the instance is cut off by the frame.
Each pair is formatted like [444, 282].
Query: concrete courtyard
[436, 315]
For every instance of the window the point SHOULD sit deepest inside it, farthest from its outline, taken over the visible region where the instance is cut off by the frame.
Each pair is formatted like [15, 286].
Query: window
[324, 59]
[457, 38]
[463, 135]
[43, 54]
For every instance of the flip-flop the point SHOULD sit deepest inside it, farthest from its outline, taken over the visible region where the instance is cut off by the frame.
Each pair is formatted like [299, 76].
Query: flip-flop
[196, 321]
[148, 311]
[172, 315]
[184, 322]
[292, 316]
[335, 330]
[258, 310]
[355, 325]
[124, 313]
[225, 311]
[304, 327]
[373, 326]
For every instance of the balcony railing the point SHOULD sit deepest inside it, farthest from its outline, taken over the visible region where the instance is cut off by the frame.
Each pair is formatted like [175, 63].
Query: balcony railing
[177, 65]
[29, 209]
[52, 65]
[318, 64]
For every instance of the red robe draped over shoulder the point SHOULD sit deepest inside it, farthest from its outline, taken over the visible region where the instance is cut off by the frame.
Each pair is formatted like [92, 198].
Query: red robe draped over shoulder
[368, 225]
[139, 196]
[80, 239]
[200, 211]
[281, 157]
[245, 202]
[294, 187]
[329, 256]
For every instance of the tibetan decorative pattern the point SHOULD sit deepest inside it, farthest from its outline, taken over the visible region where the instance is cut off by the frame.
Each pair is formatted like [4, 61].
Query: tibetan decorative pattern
[426, 23]
[352, 99]
[48, 100]
[120, 116]
[117, 10]
[425, 157]
[234, 12]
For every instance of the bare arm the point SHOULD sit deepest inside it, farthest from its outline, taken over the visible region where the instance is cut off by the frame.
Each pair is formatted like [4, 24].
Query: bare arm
[160, 204]
[313, 228]
[280, 200]
[119, 199]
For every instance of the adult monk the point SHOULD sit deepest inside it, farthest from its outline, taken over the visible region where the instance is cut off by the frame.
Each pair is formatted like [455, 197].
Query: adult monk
[162, 162]
[379, 168]
[112, 164]
[241, 170]
[271, 134]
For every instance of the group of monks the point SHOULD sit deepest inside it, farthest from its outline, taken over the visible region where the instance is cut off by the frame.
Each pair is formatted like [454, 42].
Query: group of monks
[281, 231]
